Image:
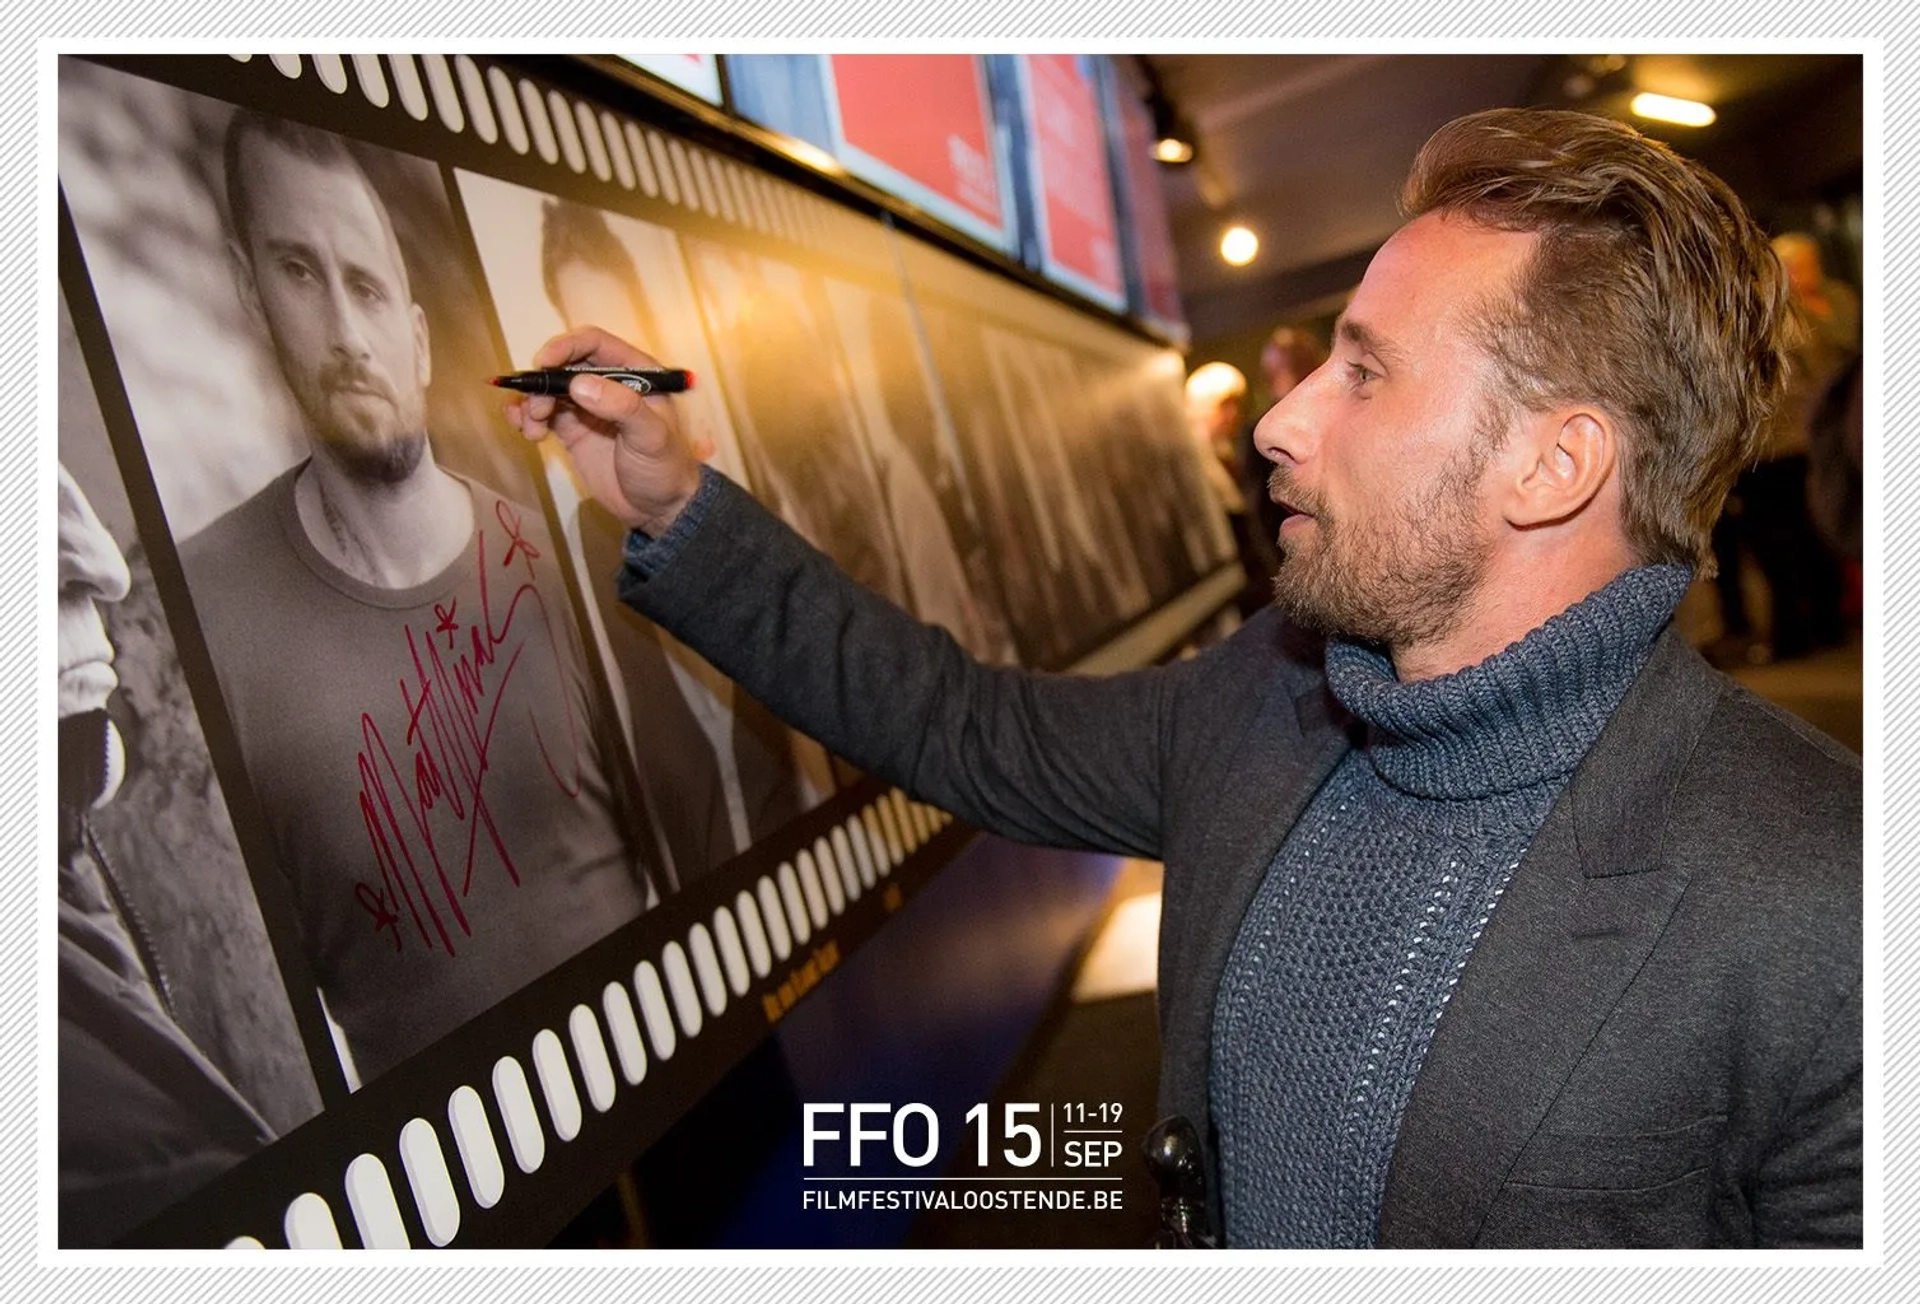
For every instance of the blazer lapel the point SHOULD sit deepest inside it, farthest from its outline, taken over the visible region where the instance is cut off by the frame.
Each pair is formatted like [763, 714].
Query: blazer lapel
[1287, 769]
[1291, 743]
[1284, 752]
[1586, 906]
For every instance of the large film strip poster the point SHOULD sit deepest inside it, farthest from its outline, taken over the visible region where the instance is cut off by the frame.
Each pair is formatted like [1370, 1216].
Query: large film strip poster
[489, 879]
[1071, 440]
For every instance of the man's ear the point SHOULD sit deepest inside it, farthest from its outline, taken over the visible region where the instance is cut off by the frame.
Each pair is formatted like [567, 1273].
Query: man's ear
[1564, 460]
[422, 346]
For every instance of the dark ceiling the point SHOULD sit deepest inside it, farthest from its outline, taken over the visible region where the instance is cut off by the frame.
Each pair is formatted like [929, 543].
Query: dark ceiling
[1310, 150]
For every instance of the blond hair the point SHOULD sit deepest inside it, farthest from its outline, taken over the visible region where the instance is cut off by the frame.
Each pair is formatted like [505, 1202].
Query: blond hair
[1651, 294]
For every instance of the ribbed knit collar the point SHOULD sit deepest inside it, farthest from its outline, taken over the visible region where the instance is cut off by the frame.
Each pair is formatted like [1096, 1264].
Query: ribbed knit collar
[1521, 717]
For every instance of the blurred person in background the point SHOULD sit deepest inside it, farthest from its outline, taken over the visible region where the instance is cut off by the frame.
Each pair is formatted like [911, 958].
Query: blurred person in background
[1290, 355]
[1836, 471]
[1770, 514]
[1216, 403]
[1216, 412]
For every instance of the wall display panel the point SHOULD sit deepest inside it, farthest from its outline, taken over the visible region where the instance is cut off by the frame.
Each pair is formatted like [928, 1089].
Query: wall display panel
[529, 875]
[818, 394]
[929, 499]
[1152, 238]
[822, 376]
[1068, 175]
[787, 92]
[697, 74]
[935, 147]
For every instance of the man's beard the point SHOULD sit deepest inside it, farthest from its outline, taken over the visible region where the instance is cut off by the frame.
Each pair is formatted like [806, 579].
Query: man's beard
[1399, 585]
[368, 450]
[390, 461]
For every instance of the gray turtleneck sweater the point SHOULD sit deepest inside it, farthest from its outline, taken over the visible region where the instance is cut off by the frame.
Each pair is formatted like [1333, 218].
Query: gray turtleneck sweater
[1366, 918]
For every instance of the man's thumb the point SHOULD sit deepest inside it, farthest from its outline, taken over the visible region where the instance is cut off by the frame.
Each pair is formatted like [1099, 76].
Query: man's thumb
[606, 399]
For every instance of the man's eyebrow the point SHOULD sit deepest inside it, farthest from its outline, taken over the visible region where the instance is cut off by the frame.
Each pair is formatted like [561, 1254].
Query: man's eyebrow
[366, 271]
[298, 248]
[1367, 340]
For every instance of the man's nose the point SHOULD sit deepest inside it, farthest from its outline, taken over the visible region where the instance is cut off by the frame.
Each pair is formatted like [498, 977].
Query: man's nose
[1290, 431]
[346, 327]
[89, 558]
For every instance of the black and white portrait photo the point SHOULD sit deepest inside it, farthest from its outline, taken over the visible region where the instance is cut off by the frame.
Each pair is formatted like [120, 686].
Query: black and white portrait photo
[787, 386]
[178, 1054]
[922, 482]
[719, 771]
[304, 349]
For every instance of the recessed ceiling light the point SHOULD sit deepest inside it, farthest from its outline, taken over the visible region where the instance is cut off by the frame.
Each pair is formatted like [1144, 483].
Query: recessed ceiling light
[1239, 245]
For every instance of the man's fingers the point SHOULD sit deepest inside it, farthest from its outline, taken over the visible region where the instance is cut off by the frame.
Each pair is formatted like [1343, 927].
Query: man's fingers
[538, 406]
[570, 433]
[583, 347]
[609, 410]
[591, 347]
[627, 448]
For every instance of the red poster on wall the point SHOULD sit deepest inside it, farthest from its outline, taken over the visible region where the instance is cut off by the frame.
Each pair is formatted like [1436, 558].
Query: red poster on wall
[933, 145]
[1068, 164]
[1152, 237]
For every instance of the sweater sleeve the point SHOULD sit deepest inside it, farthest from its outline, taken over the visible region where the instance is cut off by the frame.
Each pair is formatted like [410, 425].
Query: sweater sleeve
[1061, 760]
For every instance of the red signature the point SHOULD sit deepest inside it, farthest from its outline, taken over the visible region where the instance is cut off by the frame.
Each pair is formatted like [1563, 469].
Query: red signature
[453, 699]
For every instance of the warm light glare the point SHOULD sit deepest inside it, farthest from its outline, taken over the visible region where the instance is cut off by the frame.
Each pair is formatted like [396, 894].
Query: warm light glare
[1171, 149]
[1665, 108]
[1239, 245]
[813, 156]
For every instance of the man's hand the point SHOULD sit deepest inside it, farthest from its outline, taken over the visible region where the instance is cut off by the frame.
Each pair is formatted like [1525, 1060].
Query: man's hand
[628, 450]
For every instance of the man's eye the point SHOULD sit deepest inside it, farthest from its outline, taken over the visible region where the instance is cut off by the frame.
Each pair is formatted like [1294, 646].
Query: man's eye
[1358, 375]
[297, 269]
[368, 291]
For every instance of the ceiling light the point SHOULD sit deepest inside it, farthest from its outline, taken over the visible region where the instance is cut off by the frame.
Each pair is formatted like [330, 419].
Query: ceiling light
[1172, 137]
[1665, 108]
[1239, 245]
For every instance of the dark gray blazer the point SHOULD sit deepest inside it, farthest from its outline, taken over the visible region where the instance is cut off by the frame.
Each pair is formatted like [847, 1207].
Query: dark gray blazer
[1656, 1041]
